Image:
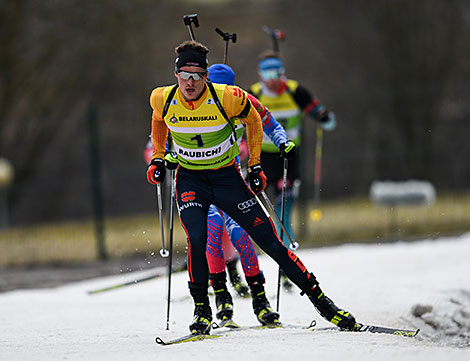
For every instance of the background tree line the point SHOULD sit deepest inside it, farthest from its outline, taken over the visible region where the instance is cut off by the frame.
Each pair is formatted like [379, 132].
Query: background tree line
[395, 73]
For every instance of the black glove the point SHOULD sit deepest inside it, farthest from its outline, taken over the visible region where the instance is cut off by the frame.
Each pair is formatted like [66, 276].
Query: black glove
[156, 171]
[257, 178]
[171, 160]
[288, 149]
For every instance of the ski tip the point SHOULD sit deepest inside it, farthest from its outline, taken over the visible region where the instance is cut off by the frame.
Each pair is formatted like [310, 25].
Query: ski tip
[187, 338]
[407, 333]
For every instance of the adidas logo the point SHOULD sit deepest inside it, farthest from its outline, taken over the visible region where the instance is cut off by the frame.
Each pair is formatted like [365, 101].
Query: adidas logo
[257, 222]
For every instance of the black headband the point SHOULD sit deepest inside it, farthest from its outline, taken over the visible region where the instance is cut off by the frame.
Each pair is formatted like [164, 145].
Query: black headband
[191, 57]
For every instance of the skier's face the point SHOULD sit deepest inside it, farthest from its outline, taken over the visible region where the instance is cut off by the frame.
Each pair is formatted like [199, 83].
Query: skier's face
[272, 79]
[273, 84]
[191, 81]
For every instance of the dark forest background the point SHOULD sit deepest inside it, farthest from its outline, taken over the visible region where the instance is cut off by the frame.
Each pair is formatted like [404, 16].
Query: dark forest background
[395, 72]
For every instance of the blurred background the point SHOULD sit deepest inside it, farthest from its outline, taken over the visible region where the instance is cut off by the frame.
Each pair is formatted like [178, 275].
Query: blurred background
[75, 81]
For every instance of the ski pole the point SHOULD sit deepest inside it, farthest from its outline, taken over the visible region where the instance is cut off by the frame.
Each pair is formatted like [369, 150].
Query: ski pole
[316, 213]
[227, 37]
[188, 20]
[283, 203]
[271, 207]
[163, 252]
[294, 245]
[170, 259]
[275, 35]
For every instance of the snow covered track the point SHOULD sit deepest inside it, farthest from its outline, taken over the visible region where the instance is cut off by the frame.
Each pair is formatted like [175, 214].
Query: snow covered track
[220, 331]
[405, 285]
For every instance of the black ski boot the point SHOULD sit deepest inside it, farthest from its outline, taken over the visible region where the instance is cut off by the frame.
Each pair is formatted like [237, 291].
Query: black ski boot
[235, 279]
[202, 310]
[223, 299]
[261, 307]
[326, 307]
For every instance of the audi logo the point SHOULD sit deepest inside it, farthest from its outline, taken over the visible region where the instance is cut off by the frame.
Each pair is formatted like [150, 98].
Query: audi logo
[247, 204]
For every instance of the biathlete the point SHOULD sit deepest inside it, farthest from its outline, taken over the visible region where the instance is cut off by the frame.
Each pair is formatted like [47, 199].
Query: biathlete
[288, 101]
[206, 120]
[223, 229]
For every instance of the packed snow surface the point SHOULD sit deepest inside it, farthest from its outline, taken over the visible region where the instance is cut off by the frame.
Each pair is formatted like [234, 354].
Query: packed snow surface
[424, 284]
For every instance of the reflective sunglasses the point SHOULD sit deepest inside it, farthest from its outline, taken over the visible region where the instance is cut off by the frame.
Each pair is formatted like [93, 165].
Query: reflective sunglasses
[270, 74]
[186, 75]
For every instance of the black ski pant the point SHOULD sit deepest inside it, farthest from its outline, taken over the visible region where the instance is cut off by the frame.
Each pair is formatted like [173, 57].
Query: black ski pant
[225, 187]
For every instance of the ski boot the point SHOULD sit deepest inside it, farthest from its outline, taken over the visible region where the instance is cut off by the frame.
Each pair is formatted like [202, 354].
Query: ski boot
[235, 279]
[261, 307]
[326, 307]
[202, 310]
[223, 299]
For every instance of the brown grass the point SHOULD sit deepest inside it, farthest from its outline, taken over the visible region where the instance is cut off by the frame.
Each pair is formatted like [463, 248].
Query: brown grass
[351, 220]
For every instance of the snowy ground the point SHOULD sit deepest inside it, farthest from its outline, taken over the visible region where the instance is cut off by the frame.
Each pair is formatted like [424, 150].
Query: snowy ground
[389, 285]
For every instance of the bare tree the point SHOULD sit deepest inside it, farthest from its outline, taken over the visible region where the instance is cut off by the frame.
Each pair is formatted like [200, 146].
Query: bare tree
[55, 58]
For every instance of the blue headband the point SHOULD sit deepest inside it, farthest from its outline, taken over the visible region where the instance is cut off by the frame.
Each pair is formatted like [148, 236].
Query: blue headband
[271, 64]
[221, 74]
